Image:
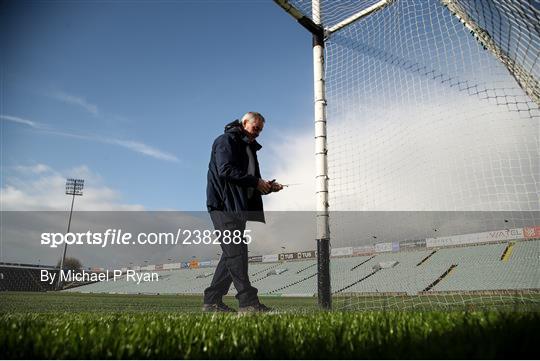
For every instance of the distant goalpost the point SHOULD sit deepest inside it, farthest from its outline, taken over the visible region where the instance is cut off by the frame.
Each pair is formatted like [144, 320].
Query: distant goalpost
[422, 106]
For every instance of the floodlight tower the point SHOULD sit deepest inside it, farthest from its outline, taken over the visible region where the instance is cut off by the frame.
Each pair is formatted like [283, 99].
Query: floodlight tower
[74, 187]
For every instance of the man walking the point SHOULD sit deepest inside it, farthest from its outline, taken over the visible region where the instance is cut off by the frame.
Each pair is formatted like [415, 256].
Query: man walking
[234, 191]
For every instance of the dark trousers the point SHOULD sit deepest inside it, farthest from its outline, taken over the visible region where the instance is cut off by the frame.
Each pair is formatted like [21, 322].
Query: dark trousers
[233, 265]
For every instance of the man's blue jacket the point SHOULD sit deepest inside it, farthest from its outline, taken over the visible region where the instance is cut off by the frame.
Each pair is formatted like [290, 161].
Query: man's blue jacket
[228, 178]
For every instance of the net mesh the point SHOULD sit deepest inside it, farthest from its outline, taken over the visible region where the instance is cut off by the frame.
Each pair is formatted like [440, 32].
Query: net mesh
[433, 106]
[333, 12]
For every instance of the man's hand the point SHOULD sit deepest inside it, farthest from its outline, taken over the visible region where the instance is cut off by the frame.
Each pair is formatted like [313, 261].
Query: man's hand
[276, 187]
[263, 186]
[266, 187]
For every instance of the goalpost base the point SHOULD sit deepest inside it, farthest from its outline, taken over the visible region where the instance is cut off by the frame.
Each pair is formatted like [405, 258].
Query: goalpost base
[323, 274]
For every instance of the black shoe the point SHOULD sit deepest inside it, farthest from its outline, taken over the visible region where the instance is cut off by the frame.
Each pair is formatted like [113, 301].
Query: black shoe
[258, 307]
[217, 307]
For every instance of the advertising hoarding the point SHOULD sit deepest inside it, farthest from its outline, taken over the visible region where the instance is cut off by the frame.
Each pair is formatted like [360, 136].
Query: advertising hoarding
[342, 251]
[531, 232]
[383, 247]
[270, 258]
[363, 250]
[255, 258]
[471, 238]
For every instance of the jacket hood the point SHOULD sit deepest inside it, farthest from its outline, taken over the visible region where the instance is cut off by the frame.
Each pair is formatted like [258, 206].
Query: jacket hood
[235, 127]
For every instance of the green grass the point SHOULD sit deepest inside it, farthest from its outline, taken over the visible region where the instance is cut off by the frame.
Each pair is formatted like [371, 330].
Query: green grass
[63, 325]
[316, 335]
[93, 302]
[54, 302]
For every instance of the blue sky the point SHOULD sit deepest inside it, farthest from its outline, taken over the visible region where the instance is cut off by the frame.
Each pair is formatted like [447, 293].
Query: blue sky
[131, 94]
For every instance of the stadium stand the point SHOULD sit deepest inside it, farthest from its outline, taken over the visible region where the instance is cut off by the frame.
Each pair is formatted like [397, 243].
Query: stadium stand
[466, 268]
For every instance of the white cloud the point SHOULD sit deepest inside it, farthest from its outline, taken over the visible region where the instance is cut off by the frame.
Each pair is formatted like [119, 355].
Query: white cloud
[23, 121]
[77, 101]
[141, 148]
[448, 156]
[135, 146]
[34, 169]
[453, 154]
[26, 192]
[132, 145]
[293, 162]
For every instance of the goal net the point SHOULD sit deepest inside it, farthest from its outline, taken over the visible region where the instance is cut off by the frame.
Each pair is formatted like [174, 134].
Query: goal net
[433, 151]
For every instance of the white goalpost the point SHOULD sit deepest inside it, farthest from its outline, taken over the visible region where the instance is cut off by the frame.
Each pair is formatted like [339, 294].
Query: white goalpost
[427, 127]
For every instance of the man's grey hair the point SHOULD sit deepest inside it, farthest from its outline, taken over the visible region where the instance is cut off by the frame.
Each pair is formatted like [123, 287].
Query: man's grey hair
[250, 116]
